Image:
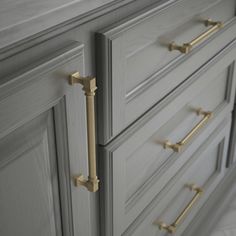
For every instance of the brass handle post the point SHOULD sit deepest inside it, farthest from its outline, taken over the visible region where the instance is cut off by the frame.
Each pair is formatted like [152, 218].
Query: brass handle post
[89, 87]
[173, 226]
[187, 47]
[177, 146]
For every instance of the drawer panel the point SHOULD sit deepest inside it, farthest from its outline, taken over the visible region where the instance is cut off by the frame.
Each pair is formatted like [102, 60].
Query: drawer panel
[135, 66]
[136, 164]
[205, 168]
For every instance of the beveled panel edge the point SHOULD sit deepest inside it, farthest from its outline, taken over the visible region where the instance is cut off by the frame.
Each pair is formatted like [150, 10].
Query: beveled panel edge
[105, 170]
[64, 175]
[104, 93]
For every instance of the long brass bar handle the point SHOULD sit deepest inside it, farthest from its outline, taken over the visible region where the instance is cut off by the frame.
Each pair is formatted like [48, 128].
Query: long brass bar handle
[89, 87]
[186, 47]
[173, 227]
[177, 146]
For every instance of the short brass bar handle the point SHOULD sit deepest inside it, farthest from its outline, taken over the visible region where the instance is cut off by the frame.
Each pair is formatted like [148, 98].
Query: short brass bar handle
[176, 147]
[173, 227]
[187, 47]
[89, 87]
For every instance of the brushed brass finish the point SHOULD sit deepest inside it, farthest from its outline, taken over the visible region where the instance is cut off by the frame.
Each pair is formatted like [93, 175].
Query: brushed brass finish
[187, 47]
[89, 87]
[173, 227]
[178, 146]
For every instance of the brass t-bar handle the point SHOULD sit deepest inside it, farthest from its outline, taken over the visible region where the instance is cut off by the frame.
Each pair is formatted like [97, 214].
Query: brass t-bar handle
[187, 47]
[176, 147]
[173, 227]
[89, 87]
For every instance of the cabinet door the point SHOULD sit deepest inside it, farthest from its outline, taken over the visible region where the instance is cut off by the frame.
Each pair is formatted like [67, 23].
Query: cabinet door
[29, 192]
[42, 146]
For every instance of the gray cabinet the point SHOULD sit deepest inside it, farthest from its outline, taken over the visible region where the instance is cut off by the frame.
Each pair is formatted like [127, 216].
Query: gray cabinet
[43, 146]
[166, 82]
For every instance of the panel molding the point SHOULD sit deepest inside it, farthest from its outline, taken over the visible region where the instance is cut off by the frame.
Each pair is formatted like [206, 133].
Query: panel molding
[106, 192]
[64, 167]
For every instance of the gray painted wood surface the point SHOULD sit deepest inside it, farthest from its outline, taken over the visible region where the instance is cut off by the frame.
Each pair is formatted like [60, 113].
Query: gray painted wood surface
[130, 161]
[137, 70]
[43, 145]
[210, 158]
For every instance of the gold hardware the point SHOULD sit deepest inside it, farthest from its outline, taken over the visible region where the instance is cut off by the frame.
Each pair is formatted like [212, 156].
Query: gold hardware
[173, 227]
[89, 87]
[187, 47]
[177, 146]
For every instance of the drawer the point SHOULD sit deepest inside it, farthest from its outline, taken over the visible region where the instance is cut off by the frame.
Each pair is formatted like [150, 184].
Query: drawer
[137, 165]
[205, 169]
[135, 68]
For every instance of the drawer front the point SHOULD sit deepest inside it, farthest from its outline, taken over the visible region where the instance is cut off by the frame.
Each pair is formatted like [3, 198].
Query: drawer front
[136, 68]
[205, 169]
[137, 166]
